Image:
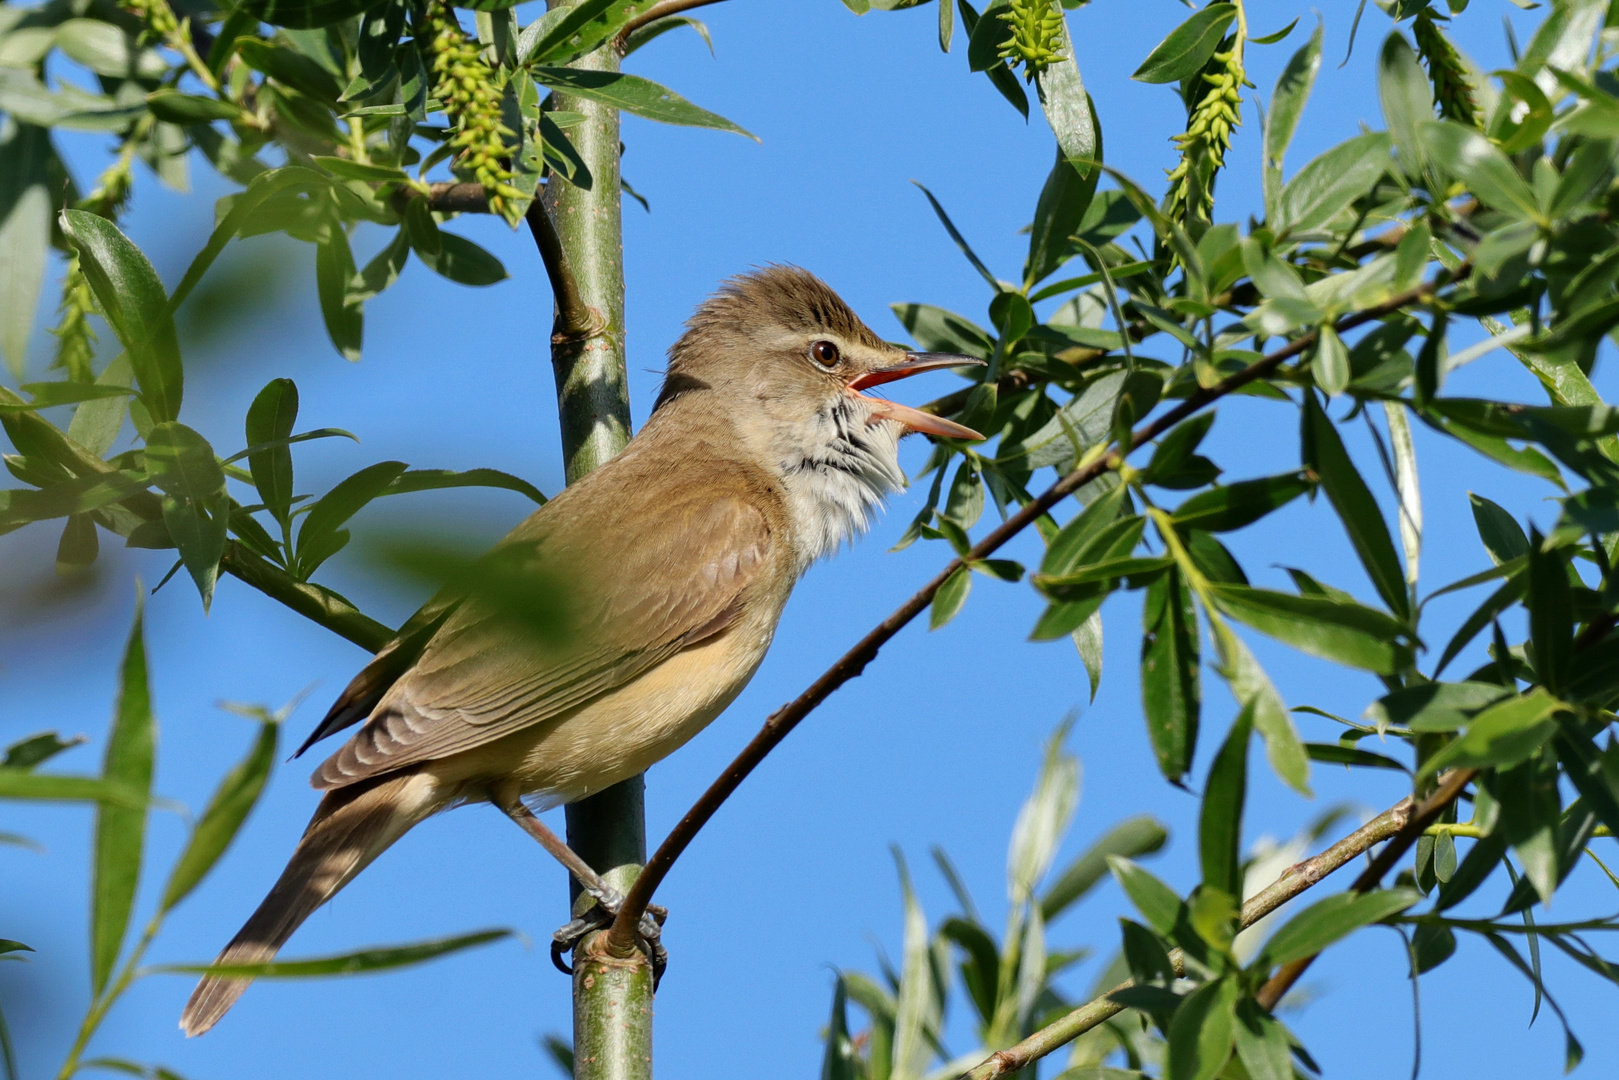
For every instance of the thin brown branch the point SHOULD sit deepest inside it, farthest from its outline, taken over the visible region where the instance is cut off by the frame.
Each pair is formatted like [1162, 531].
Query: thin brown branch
[853, 662]
[1295, 880]
[574, 318]
[653, 14]
[1426, 814]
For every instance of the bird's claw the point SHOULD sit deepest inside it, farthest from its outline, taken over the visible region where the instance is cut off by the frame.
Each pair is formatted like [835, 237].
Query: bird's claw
[599, 916]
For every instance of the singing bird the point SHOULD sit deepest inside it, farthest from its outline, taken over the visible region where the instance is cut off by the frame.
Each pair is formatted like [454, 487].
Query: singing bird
[760, 457]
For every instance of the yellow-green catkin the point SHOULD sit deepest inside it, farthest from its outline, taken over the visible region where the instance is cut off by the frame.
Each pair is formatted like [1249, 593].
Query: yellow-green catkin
[466, 86]
[1452, 92]
[1207, 136]
[1036, 41]
[75, 339]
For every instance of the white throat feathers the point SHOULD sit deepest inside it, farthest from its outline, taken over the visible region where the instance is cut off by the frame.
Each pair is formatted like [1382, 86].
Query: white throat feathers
[837, 468]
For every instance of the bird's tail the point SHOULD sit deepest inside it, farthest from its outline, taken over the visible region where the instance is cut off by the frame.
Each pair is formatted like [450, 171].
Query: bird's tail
[352, 826]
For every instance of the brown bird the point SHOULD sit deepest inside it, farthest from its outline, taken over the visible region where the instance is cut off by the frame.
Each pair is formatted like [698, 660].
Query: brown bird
[760, 457]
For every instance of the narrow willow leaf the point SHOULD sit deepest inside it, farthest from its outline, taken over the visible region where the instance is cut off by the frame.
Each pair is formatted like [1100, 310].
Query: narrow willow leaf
[120, 832]
[1188, 47]
[270, 418]
[132, 297]
[463, 261]
[1219, 820]
[1250, 685]
[1088, 640]
[322, 534]
[1347, 633]
[1134, 837]
[947, 602]
[840, 1061]
[334, 270]
[633, 94]
[1263, 1044]
[216, 829]
[1203, 1031]
[1407, 100]
[438, 479]
[1357, 509]
[1044, 817]
[1157, 902]
[1434, 706]
[1502, 735]
[1287, 102]
[25, 232]
[1407, 487]
[35, 750]
[1488, 173]
[917, 1010]
[1233, 506]
[1331, 182]
[1171, 690]
[581, 28]
[1330, 920]
[382, 958]
[961, 242]
[55, 787]
[1551, 615]
[1498, 602]
[1502, 535]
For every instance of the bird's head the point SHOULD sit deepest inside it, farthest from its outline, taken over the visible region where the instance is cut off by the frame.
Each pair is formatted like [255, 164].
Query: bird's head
[782, 349]
[785, 360]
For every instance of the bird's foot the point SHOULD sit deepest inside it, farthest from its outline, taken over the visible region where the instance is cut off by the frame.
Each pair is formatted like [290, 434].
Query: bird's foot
[599, 916]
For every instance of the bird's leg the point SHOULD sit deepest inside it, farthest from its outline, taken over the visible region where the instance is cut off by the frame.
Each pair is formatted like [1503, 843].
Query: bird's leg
[608, 899]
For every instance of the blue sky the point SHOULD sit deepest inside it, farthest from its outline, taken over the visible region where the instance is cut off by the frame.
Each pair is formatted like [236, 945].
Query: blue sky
[938, 742]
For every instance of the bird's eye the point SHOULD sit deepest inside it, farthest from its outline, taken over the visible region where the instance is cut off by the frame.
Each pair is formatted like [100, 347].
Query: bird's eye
[825, 353]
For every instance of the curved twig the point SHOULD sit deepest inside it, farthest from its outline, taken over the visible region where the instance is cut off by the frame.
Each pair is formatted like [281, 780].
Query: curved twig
[621, 939]
[653, 14]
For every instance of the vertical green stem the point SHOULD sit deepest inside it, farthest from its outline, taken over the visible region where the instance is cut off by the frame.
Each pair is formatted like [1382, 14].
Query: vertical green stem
[612, 997]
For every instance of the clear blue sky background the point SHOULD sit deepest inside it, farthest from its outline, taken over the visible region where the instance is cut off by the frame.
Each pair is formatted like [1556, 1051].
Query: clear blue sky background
[936, 744]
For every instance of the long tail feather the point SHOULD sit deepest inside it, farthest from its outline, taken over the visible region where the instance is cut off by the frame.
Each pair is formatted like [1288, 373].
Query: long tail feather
[351, 827]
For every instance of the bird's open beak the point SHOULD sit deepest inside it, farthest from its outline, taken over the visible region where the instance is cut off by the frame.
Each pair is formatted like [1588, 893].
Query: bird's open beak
[915, 419]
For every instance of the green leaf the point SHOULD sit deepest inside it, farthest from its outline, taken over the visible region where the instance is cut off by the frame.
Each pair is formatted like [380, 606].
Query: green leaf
[49, 394]
[1330, 365]
[382, 958]
[937, 330]
[1263, 1045]
[581, 28]
[195, 508]
[1157, 902]
[345, 169]
[269, 422]
[35, 750]
[334, 270]
[951, 596]
[1502, 735]
[1188, 47]
[1250, 685]
[1502, 536]
[460, 260]
[235, 797]
[961, 241]
[1357, 509]
[1551, 615]
[1171, 689]
[1287, 101]
[1407, 100]
[633, 94]
[289, 67]
[1045, 816]
[1336, 754]
[1330, 183]
[1488, 173]
[1498, 602]
[965, 502]
[1061, 207]
[437, 479]
[1434, 706]
[1087, 640]
[55, 787]
[1330, 920]
[1131, 838]
[1233, 506]
[120, 832]
[841, 1060]
[180, 108]
[132, 298]
[286, 181]
[308, 14]
[1174, 450]
[1345, 632]
[1219, 825]
[25, 232]
[1203, 1030]
[1067, 106]
[322, 534]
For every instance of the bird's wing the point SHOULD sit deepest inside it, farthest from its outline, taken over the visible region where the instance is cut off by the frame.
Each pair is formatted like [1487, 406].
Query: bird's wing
[637, 599]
